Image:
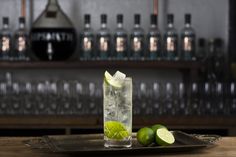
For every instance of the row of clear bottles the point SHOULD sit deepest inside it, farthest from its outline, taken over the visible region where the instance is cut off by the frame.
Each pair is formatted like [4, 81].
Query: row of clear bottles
[14, 47]
[138, 45]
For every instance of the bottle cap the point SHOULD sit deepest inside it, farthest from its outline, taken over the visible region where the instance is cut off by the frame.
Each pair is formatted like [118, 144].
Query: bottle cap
[170, 18]
[153, 19]
[86, 18]
[119, 18]
[137, 19]
[5, 20]
[103, 18]
[22, 20]
[187, 18]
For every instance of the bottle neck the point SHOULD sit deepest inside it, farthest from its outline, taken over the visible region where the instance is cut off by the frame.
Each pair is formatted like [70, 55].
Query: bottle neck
[170, 25]
[119, 25]
[104, 25]
[5, 26]
[22, 26]
[153, 26]
[52, 5]
[136, 25]
[187, 25]
[52, 2]
[87, 25]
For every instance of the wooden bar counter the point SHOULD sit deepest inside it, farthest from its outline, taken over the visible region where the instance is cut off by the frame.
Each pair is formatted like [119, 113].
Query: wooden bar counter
[14, 147]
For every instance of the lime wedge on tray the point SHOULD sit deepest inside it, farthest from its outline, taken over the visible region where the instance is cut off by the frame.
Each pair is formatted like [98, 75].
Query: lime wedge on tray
[116, 80]
[164, 137]
[115, 130]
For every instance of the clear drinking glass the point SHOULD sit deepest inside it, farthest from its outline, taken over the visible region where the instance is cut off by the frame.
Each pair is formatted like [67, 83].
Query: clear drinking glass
[117, 107]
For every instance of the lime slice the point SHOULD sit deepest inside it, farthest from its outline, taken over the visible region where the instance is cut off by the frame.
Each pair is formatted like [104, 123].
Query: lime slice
[145, 136]
[108, 75]
[157, 126]
[115, 130]
[164, 137]
[116, 80]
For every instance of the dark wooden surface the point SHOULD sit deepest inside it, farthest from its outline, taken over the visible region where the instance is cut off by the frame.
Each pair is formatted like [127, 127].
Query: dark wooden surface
[14, 147]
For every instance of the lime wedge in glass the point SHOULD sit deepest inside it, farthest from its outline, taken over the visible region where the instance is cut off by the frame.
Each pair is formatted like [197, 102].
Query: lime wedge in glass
[116, 80]
[115, 130]
[164, 137]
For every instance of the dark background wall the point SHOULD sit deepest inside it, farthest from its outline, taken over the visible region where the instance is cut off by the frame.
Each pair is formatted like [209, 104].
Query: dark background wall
[232, 36]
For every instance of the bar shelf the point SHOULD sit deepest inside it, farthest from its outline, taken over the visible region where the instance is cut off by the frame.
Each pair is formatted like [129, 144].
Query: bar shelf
[175, 65]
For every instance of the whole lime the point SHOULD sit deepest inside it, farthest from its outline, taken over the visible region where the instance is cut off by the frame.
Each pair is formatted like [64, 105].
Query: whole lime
[145, 136]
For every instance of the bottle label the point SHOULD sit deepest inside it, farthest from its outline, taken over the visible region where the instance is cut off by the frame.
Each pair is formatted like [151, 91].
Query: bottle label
[21, 44]
[5, 44]
[153, 44]
[120, 44]
[187, 44]
[53, 36]
[171, 46]
[87, 44]
[103, 44]
[137, 44]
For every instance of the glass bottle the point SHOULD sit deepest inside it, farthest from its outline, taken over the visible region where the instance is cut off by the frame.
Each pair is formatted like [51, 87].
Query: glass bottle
[5, 40]
[169, 99]
[219, 60]
[206, 104]
[53, 36]
[157, 99]
[170, 39]
[181, 105]
[202, 50]
[21, 41]
[195, 99]
[87, 39]
[137, 39]
[231, 102]
[120, 39]
[188, 40]
[154, 39]
[220, 107]
[104, 39]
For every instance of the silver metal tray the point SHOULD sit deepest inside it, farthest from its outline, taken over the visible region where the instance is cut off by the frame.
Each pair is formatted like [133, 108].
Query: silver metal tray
[94, 144]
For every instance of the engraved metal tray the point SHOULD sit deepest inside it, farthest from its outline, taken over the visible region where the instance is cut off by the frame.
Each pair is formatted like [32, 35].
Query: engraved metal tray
[94, 144]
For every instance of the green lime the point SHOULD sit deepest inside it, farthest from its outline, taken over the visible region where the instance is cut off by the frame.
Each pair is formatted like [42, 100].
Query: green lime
[145, 136]
[164, 137]
[157, 126]
[116, 80]
[115, 130]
